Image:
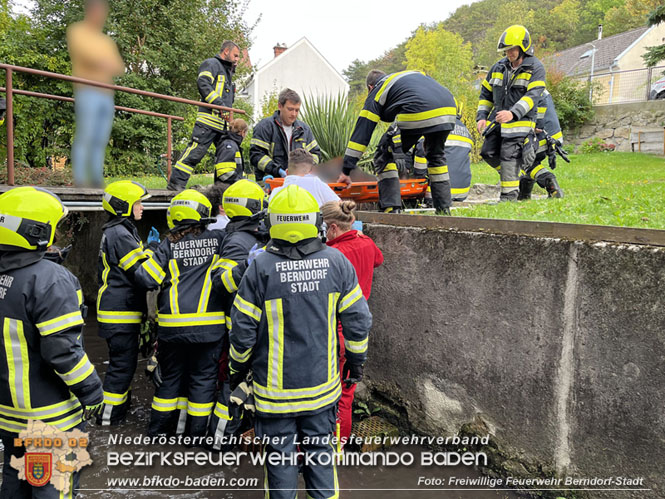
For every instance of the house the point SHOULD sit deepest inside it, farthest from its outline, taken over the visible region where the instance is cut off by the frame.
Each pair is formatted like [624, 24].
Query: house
[619, 72]
[300, 67]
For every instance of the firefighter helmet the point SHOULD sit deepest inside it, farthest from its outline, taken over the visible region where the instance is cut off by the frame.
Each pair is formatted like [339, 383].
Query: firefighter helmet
[243, 199]
[293, 215]
[119, 197]
[515, 36]
[28, 218]
[188, 207]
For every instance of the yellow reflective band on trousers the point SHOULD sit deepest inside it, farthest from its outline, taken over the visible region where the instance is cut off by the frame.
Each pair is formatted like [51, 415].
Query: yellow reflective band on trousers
[173, 292]
[119, 317]
[333, 370]
[421, 160]
[389, 171]
[535, 171]
[225, 167]
[60, 323]
[247, 308]
[437, 170]
[199, 409]
[164, 405]
[355, 295]
[195, 319]
[275, 317]
[127, 261]
[464, 190]
[207, 287]
[111, 398]
[80, 372]
[222, 411]
[510, 183]
[18, 363]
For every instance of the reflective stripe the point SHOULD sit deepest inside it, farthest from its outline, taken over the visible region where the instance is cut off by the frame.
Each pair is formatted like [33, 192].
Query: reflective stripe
[466, 144]
[119, 317]
[517, 128]
[558, 136]
[79, 295]
[356, 146]
[226, 166]
[534, 173]
[184, 168]
[369, 115]
[206, 73]
[311, 145]
[164, 405]
[525, 103]
[229, 283]
[229, 324]
[535, 84]
[382, 94]
[523, 76]
[12, 426]
[296, 407]
[195, 319]
[60, 323]
[207, 287]
[421, 160]
[295, 393]
[356, 346]
[222, 411]
[443, 177]
[386, 174]
[509, 185]
[260, 143]
[81, 371]
[44, 412]
[241, 358]
[173, 292]
[487, 85]
[215, 119]
[437, 170]
[275, 316]
[198, 409]
[111, 398]
[210, 98]
[247, 308]
[68, 422]
[154, 270]
[464, 190]
[497, 76]
[541, 112]
[426, 119]
[18, 362]
[332, 335]
[130, 258]
[263, 162]
[355, 295]
[105, 275]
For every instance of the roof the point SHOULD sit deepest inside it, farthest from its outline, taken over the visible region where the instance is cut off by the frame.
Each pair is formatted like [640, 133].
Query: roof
[607, 51]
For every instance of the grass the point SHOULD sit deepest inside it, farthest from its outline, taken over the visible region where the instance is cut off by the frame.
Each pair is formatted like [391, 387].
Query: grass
[616, 188]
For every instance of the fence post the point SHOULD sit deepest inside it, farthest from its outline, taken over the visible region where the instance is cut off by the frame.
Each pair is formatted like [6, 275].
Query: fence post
[169, 146]
[10, 129]
[649, 74]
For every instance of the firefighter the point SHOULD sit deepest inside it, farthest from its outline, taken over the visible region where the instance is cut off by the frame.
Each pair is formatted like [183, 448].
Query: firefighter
[285, 328]
[191, 320]
[244, 205]
[546, 125]
[44, 372]
[215, 84]
[420, 107]
[120, 304]
[230, 166]
[274, 137]
[509, 97]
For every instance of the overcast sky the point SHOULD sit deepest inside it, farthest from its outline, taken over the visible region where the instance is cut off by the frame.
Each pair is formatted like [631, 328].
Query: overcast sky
[342, 30]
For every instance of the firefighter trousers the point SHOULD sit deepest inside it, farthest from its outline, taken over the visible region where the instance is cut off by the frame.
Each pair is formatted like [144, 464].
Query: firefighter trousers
[504, 154]
[123, 357]
[14, 488]
[437, 170]
[191, 369]
[319, 472]
[202, 137]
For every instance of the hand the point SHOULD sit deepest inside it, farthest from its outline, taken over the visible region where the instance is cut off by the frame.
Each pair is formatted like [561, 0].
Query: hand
[400, 163]
[153, 236]
[91, 411]
[153, 371]
[352, 373]
[504, 116]
[481, 125]
[254, 252]
[282, 172]
[344, 179]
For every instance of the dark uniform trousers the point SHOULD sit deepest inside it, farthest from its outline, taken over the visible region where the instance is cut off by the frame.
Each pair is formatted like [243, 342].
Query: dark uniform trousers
[504, 154]
[189, 368]
[439, 179]
[536, 172]
[202, 137]
[321, 475]
[123, 358]
[14, 488]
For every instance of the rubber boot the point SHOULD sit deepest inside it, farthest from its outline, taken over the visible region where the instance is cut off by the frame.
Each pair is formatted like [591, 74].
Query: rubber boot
[553, 189]
[526, 187]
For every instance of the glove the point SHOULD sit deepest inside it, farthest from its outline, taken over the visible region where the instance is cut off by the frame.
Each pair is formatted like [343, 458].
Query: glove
[236, 378]
[400, 163]
[254, 252]
[91, 411]
[357, 225]
[282, 173]
[153, 371]
[352, 373]
[146, 339]
[153, 236]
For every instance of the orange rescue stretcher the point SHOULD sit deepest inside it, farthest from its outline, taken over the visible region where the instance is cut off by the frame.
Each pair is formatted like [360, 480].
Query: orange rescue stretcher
[367, 192]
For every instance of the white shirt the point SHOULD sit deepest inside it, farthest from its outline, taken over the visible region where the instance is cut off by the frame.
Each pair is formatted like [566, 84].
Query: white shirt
[288, 130]
[312, 184]
[222, 221]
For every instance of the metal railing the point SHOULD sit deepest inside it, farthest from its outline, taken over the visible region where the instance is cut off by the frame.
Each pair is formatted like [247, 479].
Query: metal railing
[9, 121]
[633, 85]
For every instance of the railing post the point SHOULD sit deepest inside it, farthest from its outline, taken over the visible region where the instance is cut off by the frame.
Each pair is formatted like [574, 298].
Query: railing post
[169, 151]
[10, 130]
[649, 75]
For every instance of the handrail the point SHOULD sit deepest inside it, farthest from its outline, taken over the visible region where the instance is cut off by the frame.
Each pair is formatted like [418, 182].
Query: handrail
[9, 90]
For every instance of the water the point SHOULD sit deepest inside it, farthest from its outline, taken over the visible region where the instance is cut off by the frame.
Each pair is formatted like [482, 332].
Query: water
[361, 482]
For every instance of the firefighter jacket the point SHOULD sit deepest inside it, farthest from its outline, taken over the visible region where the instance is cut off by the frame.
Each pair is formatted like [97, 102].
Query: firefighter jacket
[269, 150]
[120, 304]
[242, 233]
[190, 308]
[229, 159]
[548, 121]
[416, 102]
[44, 372]
[285, 325]
[516, 90]
[215, 83]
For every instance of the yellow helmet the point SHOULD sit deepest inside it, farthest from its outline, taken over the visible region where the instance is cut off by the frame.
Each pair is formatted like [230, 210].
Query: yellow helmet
[244, 198]
[188, 207]
[293, 215]
[120, 196]
[28, 218]
[515, 36]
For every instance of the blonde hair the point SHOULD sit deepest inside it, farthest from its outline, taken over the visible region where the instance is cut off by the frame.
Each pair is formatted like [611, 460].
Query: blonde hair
[238, 126]
[341, 213]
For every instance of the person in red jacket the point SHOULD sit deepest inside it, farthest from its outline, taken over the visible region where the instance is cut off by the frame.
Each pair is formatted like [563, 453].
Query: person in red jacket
[365, 256]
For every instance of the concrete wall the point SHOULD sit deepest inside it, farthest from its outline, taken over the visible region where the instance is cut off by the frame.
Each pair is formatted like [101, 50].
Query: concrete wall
[613, 123]
[558, 346]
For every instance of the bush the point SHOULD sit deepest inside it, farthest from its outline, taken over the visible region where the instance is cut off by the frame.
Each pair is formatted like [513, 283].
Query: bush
[27, 175]
[595, 144]
[571, 99]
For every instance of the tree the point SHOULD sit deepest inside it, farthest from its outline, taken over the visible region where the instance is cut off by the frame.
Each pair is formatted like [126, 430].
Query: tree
[655, 54]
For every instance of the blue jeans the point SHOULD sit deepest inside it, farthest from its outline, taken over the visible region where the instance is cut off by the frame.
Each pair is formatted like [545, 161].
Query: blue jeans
[94, 118]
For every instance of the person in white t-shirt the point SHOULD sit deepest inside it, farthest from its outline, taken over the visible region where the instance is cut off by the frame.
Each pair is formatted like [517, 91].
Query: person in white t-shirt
[299, 172]
[215, 194]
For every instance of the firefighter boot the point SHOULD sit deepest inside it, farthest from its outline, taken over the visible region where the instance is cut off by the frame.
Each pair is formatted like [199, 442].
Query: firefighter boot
[526, 187]
[553, 189]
